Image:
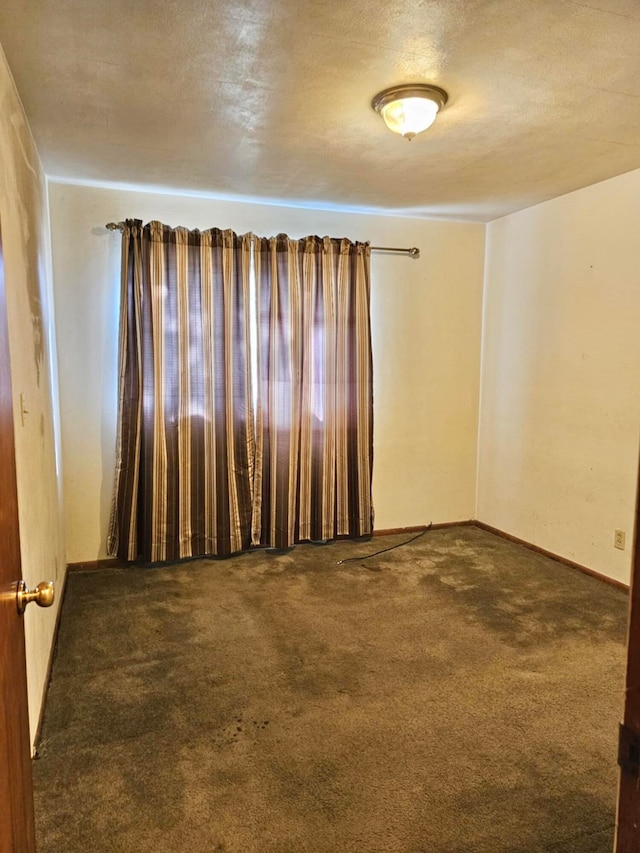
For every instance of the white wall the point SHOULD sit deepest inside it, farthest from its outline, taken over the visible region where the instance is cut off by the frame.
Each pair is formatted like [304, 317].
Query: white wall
[426, 317]
[23, 219]
[560, 406]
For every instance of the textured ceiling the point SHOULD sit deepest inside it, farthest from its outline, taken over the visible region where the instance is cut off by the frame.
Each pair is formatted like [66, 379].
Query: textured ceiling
[271, 98]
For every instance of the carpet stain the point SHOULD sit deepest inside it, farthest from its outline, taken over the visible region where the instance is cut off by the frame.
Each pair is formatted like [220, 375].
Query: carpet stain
[489, 585]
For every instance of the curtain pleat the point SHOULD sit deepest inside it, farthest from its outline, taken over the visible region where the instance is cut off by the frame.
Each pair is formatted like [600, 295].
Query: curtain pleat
[185, 444]
[314, 437]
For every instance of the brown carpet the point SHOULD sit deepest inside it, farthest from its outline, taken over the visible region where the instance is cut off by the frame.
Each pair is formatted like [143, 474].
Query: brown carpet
[458, 694]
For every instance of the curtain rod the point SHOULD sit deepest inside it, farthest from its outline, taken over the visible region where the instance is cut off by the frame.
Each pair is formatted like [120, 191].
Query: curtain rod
[414, 252]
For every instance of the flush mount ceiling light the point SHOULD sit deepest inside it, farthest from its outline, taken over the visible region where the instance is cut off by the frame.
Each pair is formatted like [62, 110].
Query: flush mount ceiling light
[410, 109]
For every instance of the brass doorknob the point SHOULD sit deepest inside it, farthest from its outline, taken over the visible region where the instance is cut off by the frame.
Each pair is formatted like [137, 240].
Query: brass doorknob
[43, 595]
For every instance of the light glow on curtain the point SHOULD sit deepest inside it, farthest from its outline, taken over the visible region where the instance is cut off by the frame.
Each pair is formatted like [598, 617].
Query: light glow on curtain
[314, 417]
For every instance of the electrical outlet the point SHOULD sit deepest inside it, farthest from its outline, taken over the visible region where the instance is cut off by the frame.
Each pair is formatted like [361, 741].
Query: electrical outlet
[618, 539]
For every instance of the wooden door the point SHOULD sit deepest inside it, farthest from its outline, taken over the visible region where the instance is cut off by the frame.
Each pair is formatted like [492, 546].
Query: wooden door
[17, 831]
[628, 822]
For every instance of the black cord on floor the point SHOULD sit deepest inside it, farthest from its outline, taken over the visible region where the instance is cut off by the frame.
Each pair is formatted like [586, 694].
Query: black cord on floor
[384, 550]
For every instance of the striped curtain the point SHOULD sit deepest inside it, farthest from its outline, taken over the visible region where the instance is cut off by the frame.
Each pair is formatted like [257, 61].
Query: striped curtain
[314, 420]
[185, 444]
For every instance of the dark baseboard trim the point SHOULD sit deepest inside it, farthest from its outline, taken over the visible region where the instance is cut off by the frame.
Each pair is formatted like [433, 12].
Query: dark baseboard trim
[418, 528]
[96, 565]
[114, 563]
[47, 681]
[565, 562]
